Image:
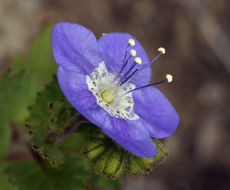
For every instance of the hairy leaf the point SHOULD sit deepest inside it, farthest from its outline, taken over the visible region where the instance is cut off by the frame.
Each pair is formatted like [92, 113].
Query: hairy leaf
[73, 175]
[19, 87]
[49, 116]
[39, 63]
[4, 180]
[15, 96]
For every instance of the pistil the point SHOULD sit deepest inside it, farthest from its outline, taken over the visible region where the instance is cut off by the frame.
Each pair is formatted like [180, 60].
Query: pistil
[108, 95]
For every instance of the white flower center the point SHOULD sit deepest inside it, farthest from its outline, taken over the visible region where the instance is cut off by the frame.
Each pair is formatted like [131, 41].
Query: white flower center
[109, 95]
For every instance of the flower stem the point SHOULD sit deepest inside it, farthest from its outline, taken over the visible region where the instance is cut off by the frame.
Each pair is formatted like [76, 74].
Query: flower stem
[77, 121]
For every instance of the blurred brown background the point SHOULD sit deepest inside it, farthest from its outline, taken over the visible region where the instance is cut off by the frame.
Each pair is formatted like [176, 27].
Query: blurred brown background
[196, 35]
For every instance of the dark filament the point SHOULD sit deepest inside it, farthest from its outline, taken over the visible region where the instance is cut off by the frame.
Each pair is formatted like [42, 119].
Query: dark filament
[127, 76]
[148, 85]
[137, 70]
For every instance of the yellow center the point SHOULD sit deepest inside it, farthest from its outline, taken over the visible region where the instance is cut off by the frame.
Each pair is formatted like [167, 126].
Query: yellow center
[108, 95]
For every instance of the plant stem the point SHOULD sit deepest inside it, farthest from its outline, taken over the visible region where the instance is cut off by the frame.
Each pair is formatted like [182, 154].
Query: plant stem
[70, 129]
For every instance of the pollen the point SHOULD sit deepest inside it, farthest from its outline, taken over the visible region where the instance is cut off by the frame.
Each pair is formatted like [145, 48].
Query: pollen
[169, 78]
[132, 42]
[133, 52]
[138, 60]
[162, 50]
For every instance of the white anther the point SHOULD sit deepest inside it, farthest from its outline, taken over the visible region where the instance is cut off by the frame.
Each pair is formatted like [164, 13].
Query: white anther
[103, 34]
[162, 50]
[138, 60]
[132, 42]
[169, 78]
[133, 52]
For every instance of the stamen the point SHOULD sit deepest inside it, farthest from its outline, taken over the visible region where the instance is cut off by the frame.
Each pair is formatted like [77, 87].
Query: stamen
[126, 61]
[148, 85]
[133, 52]
[138, 60]
[130, 76]
[162, 50]
[169, 78]
[103, 34]
[131, 42]
[126, 53]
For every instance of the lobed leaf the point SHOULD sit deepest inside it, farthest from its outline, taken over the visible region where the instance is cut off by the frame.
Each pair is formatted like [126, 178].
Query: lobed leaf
[49, 116]
[4, 180]
[39, 62]
[15, 96]
[73, 175]
[18, 88]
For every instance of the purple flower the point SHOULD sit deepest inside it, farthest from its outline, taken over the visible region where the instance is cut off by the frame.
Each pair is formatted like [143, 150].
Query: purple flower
[107, 81]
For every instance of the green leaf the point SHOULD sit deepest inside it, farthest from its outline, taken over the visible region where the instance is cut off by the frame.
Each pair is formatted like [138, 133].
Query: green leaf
[60, 115]
[4, 180]
[106, 182]
[49, 116]
[32, 178]
[75, 174]
[19, 87]
[5, 134]
[72, 144]
[39, 62]
[72, 176]
[111, 160]
[29, 74]
[15, 96]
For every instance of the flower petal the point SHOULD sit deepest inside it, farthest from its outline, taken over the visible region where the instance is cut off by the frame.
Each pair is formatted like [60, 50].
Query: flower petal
[130, 134]
[73, 85]
[153, 107]
[113, 46]
[74, 47]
